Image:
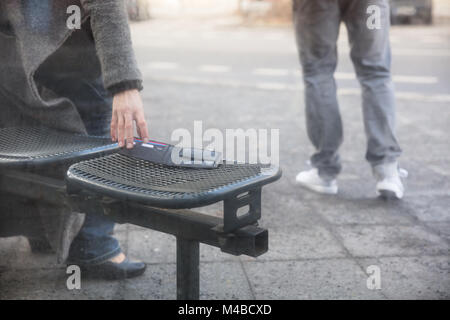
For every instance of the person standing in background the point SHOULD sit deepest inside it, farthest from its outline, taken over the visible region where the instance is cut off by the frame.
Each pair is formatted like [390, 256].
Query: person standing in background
[317, 25]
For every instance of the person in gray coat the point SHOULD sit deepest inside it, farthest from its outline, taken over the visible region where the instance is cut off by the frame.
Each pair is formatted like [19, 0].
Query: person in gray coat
[84, 80]
[317, 25]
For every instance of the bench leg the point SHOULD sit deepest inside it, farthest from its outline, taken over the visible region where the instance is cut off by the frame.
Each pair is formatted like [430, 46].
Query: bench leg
[188, 273]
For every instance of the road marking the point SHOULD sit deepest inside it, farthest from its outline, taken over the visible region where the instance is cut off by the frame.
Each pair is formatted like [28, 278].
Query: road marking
[201, 81]
[404, 95]
[271, 72]
[214, 68]
[344, 49]
[349, 92]
[279, 72]
[439, 170]
[422, 52]
[270, 86]
[415, 79]
[441, 98]
[162, 65]
[395, 78]
[344, 76]
[274, 86]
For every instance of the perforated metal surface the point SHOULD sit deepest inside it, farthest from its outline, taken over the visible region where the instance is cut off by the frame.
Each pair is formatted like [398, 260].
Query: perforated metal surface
[172, 187]
[41, 145]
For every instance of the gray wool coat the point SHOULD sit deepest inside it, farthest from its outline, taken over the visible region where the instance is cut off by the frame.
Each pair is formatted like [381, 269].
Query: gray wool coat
[27, 39]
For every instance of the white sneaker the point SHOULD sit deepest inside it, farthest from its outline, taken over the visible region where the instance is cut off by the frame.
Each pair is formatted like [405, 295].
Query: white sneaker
[310, 179]
[389, 183]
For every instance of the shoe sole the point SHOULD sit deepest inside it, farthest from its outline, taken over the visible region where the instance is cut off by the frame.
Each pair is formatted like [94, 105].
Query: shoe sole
[321, 190]
[93, 273]
[388, 195]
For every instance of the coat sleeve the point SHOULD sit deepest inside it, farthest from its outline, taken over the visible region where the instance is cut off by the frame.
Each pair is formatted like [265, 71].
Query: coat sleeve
[109, 23]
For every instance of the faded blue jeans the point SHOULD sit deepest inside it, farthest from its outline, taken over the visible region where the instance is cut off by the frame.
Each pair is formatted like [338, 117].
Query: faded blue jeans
[317, 25]
[94, 243]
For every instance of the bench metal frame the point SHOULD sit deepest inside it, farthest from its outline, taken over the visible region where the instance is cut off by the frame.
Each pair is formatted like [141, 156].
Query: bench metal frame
[189, 227]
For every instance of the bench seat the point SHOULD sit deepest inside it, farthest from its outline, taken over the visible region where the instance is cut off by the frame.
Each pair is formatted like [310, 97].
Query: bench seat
[122, 177]
[36, 146]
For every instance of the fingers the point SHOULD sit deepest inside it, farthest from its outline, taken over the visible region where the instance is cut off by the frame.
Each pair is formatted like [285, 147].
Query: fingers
[113, 131]
[121, 130]
[127, 109]
[142, 128]
[128, 126]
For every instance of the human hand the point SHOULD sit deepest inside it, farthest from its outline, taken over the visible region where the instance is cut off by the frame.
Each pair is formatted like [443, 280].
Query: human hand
[127, 109]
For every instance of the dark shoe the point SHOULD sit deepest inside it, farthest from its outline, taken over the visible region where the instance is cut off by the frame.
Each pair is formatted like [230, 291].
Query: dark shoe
[114, 271]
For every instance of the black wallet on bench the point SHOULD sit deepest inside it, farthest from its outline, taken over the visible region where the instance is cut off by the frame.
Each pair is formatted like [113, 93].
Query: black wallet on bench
[162, 153]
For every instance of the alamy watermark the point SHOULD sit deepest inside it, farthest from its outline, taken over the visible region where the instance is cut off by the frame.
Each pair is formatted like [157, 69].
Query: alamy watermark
[374, 280]
[374, 20]
[236, 145]
[74, 279]
[74, 20]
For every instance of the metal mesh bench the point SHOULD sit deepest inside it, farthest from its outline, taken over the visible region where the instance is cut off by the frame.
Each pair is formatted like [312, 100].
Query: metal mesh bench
[127, 178]
[140, 192]
[34, 146]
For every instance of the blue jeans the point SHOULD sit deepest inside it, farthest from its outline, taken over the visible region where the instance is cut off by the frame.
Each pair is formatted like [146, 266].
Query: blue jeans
[94, 243]
[317, 29]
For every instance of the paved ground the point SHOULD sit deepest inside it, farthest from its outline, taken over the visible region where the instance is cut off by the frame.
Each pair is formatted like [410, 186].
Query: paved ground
[320, 247]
